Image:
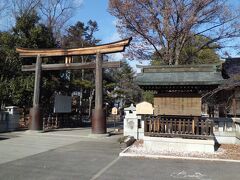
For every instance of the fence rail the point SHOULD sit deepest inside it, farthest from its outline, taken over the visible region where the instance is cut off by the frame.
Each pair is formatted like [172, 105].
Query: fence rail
[224, 125]
[172, 126]
[55, 121]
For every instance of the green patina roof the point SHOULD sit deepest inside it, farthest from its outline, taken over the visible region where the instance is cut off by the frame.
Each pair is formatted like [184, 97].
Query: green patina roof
[180, 75]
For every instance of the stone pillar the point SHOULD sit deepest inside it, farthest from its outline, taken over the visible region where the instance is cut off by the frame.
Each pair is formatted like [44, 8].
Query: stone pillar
[130, 122]
[98, 118]
[35, 117]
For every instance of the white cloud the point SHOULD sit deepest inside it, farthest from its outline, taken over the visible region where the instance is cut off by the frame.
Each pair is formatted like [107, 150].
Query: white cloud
[78, 2]
[115, 37]
[115, 22]
[134, 64]
[116, 57]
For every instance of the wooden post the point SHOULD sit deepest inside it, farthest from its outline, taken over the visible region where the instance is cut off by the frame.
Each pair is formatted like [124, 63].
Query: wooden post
[179, 126]
[197, 127]
[115, 119]
[98, 120]
[195, 119]
[184, 126]
[35, 120]
[145, 125]
[202, 127]
[171, 126]
[189, 127]
[234, 105]
[211, 128]
[158, 123]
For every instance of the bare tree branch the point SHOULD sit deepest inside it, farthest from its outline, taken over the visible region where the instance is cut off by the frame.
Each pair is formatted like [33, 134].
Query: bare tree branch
[56, 13]
[168, 25]
[24, 6]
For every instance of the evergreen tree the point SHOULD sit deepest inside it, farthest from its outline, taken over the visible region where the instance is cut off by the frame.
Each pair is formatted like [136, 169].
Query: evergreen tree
[125, 91]
[16, 86]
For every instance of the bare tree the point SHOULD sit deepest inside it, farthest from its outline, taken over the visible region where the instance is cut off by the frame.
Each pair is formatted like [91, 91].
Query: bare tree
[53, 13]
[165, 26]
[56, 13]
[24, 6]
[4, 6]
[4, 10]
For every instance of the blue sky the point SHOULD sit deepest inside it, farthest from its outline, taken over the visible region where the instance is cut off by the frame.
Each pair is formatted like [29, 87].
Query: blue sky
[98, 10]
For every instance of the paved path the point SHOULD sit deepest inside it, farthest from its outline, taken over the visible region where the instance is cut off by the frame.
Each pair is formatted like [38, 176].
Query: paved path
[17, 145]
[66, 157]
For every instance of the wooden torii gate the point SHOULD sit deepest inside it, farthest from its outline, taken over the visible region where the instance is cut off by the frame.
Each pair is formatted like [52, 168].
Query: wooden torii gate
[98, 118]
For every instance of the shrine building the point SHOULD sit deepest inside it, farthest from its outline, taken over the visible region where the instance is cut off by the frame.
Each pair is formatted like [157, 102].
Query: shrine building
[178, 90]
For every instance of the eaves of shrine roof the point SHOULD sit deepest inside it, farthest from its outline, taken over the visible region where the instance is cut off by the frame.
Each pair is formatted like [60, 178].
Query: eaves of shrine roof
[179, 75]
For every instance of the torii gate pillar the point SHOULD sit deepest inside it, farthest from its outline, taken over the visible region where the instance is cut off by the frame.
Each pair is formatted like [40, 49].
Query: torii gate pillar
[35, 117]
[98, 118]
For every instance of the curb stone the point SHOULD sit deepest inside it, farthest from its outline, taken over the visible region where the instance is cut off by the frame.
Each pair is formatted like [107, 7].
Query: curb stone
[125, 154]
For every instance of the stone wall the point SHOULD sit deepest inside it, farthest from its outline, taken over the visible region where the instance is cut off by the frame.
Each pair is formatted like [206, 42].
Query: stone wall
[3, 121]
[157, 144]
[227, 130]
[9, 119]
[237, 124]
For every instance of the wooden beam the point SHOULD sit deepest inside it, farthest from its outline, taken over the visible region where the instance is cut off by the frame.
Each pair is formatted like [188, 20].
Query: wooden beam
[71, 66]
[114, 47]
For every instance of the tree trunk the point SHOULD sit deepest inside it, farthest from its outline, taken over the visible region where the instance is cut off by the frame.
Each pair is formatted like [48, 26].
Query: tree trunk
[177, 54]
[81, 89]
[90, 103]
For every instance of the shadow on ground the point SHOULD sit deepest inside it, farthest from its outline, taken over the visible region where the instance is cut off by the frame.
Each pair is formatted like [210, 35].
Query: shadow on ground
[3, 138]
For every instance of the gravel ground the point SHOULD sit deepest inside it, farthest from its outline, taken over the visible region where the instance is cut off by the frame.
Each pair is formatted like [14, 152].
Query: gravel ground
[225, 151]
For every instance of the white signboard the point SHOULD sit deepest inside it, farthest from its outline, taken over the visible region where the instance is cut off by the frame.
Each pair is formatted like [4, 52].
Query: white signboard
[114, 111]
[62, 104]
[144, 108]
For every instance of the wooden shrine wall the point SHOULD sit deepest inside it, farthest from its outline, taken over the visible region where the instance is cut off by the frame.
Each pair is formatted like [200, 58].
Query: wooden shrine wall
[237, 95]
[185, 106]
[237, 99]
